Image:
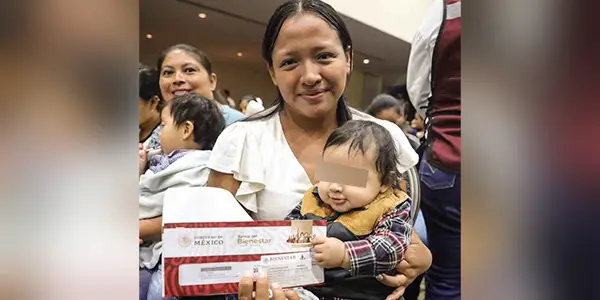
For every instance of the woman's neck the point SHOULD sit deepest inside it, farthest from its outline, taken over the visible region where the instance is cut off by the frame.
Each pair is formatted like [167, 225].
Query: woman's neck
[147, 127]
[312, 126]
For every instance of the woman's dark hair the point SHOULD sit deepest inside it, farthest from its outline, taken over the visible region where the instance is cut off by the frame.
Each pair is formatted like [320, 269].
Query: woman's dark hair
[296, 7]
[203, 113]
[360, 136]
[189, 49]
[220, 98]
[382, 102]
[148, 85]
[401, 93]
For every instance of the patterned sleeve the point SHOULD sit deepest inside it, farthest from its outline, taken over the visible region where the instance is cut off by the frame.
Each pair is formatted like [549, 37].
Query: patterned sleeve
[383, 249]
[295, 214]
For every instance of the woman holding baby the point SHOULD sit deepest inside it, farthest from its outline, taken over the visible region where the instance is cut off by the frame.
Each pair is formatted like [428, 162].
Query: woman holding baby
[269, 161]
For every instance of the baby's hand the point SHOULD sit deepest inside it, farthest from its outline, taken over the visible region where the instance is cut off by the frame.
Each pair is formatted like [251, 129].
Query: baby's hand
[143, 158]
[330, 252]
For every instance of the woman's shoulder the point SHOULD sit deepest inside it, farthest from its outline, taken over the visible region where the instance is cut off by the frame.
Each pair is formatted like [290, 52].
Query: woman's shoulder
[254, 125]
[245, 136]
[240, 147]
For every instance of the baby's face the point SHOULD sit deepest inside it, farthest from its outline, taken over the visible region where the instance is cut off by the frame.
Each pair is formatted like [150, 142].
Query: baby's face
[343, 198]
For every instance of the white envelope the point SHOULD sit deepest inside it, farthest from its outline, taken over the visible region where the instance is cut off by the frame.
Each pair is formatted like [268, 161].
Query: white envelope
[202, 204]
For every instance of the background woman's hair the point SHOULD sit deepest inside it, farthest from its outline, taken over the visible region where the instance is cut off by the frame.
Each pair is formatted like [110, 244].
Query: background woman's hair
[360, 136]
[203, 113]
[148, 85]
[220, 98]
[189, 49]
[382, 102]
[401, 93]
[293, 8]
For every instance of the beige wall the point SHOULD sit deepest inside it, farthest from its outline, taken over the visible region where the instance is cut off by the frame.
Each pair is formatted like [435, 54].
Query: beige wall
[242, 81]
[400, 19]
[355, 89]
[373, 87]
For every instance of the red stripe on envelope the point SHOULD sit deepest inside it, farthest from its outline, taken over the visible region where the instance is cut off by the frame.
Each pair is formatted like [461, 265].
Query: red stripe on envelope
[237, 224]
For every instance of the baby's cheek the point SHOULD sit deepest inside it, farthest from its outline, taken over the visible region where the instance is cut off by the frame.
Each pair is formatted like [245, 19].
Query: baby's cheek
[323, 187]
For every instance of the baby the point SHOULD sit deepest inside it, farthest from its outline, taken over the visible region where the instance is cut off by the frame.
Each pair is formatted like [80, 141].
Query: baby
[192, 124]
[368, 226]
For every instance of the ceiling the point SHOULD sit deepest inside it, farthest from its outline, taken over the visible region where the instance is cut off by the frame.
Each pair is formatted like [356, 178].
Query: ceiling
[233, 26]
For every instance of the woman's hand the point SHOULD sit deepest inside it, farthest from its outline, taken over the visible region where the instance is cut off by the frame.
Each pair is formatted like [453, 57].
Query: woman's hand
[417, 260]
[247, 292]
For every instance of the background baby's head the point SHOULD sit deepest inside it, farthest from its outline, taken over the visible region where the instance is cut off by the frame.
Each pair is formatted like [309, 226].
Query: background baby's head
[190, 121]
[361, 145]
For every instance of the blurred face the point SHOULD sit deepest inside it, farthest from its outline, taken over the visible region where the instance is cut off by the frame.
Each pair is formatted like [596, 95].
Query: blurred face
[147, 110]
[343, 198]
[171, 136]
[310, 66]
[417, 123]
[391, 114]
[182, 73]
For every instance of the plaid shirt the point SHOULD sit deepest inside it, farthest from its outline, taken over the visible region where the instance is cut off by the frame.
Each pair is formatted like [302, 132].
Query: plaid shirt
[383, 249]
[160, 162]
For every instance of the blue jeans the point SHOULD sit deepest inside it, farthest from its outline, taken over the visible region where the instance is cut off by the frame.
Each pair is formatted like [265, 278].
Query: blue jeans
[145, 277]
[151, 283]
[420, 227]
[441, 206]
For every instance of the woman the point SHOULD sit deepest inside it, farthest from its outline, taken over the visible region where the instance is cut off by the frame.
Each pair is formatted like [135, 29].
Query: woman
[149, 107]
[185, 69]
[386, 107]
[269, 161]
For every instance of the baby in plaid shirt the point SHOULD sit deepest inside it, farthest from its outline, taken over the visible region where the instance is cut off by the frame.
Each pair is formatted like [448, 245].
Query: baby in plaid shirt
[368, 224]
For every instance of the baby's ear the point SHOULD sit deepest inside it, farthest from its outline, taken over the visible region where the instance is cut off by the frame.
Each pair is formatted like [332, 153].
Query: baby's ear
[188, 130]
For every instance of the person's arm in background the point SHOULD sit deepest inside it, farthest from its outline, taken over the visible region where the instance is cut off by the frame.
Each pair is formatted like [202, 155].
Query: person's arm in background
[418, 74]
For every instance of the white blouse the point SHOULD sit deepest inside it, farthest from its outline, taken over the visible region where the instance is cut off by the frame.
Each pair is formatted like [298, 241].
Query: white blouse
[272, 180]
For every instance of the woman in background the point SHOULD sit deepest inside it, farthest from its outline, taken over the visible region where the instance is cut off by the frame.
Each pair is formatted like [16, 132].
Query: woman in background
[386, 107]
[185, 69]
[149, 106]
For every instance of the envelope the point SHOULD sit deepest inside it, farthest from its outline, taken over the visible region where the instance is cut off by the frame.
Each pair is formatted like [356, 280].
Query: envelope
[209, 242]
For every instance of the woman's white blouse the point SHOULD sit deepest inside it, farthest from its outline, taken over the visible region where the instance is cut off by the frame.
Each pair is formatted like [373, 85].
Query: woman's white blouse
[272, 180]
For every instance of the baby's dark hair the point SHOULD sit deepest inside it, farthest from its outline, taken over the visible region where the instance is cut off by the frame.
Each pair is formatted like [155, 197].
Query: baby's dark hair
[203, 113]
[360, 135]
